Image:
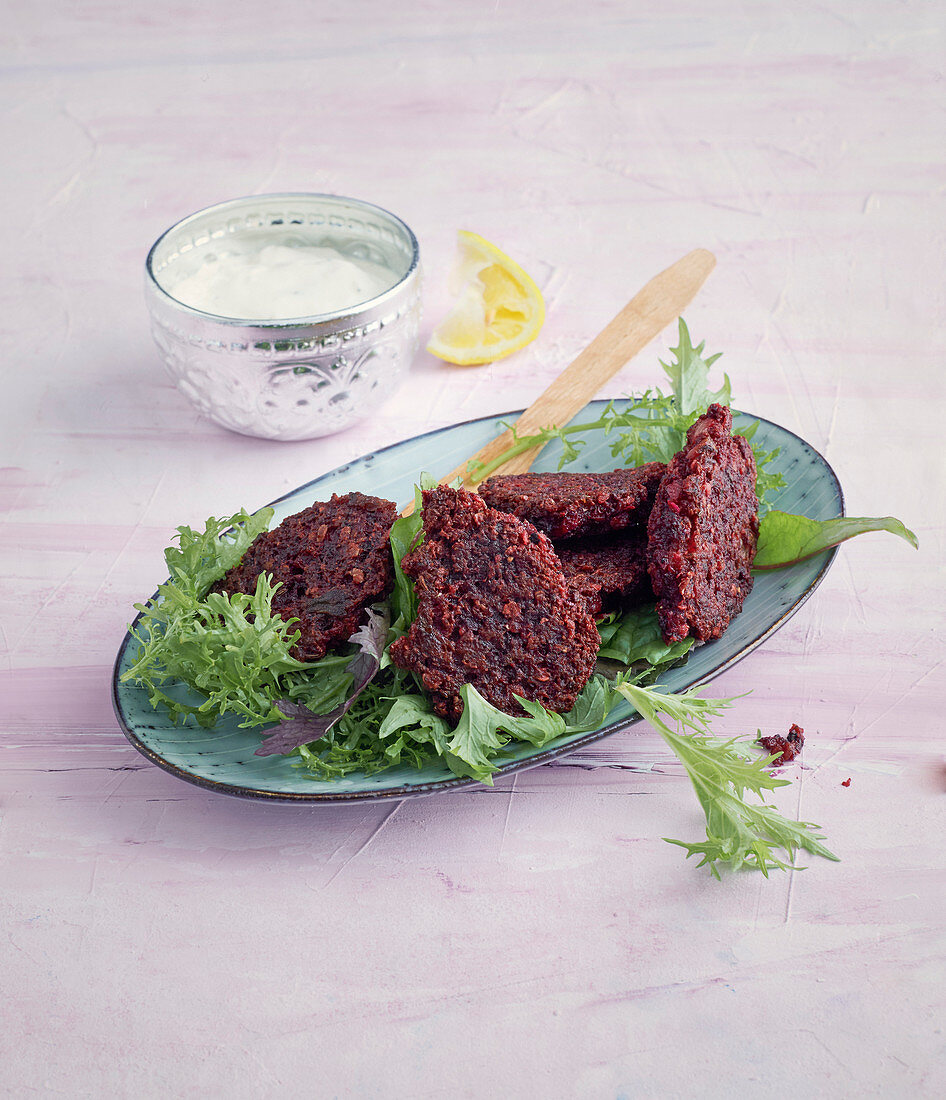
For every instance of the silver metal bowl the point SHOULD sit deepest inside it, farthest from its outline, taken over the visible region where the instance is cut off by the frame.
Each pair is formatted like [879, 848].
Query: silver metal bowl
[301, 377]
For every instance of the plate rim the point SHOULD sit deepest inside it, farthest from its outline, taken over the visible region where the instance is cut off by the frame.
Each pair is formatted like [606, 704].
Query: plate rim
[454, 783]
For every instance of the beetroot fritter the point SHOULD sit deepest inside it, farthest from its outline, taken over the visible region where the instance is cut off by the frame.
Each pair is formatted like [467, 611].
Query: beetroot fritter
[493, 610]
[566, 505]
[332, 559]
[702, 531]
[614, 571]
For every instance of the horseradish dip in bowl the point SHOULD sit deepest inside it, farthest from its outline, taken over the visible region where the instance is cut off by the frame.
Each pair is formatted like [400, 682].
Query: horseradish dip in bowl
[286, 316]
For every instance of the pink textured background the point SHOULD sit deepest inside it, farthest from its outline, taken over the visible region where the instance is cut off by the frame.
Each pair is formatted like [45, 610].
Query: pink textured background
[538, 939]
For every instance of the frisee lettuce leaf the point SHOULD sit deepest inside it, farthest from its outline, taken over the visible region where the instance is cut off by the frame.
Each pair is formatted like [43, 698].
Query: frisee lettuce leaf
[353, 745]
[202, 557]
[231, 649]
[739, 833]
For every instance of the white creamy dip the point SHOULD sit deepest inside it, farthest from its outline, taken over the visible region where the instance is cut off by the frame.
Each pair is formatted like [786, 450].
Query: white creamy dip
[277, 281]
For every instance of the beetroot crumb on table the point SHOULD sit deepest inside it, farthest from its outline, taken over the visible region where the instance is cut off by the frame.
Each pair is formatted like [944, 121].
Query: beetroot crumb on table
[493, 610]
[846, 782]
[787, 747]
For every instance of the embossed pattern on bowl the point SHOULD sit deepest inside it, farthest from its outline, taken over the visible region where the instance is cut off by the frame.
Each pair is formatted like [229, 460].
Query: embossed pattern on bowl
[304, 377]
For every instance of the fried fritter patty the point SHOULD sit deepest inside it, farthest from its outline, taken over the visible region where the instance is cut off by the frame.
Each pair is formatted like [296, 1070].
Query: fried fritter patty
[702, 531]
[613, 571]
[568, 505]
[332, 560]
[493, 610]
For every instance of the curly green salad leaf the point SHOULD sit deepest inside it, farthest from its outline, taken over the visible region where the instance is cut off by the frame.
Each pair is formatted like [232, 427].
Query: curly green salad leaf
[202, 557]
[473, 747]
[234, 650]
[739, 833]
[368, 715]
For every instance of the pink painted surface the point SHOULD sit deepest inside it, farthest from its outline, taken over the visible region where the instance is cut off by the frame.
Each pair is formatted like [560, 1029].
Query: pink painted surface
[538, 939]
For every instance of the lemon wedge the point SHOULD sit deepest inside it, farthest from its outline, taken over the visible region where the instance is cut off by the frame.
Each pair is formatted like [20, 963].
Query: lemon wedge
[498, 308]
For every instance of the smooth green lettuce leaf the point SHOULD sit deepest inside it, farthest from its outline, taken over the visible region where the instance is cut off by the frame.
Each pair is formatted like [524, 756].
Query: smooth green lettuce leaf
[591, 708]
[785, 538]
[635, 635]
[406, 532]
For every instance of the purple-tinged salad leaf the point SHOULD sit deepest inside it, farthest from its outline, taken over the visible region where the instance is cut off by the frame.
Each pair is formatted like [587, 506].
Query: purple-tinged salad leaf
[301, 725]
[785, 539]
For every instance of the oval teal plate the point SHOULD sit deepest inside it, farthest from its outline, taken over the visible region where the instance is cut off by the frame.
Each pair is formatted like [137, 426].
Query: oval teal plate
[223, 758]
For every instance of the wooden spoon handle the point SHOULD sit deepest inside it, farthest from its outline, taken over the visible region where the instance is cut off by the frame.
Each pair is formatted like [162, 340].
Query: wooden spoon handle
[654, 307]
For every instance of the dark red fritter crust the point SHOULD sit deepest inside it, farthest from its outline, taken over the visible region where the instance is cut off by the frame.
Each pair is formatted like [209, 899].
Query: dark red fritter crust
[615, 570]
[332, 559]
[572, 505]
[702, 531]
[493, 610]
